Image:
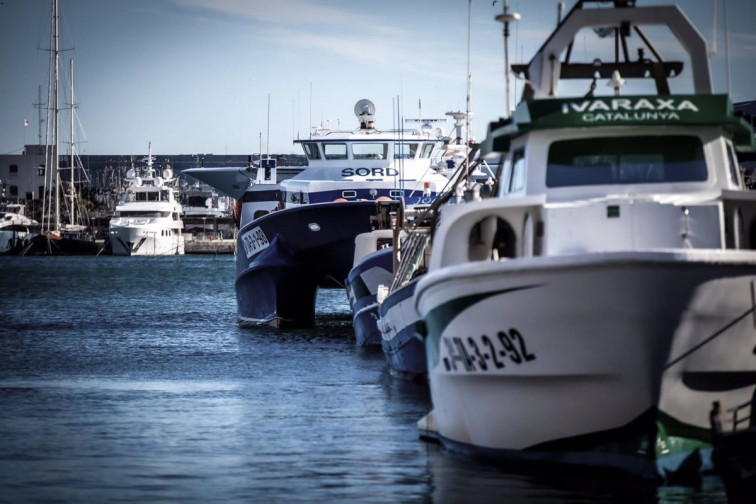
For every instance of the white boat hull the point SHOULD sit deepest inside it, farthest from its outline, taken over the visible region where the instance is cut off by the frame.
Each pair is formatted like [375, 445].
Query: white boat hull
[145, 241]
[609, 359]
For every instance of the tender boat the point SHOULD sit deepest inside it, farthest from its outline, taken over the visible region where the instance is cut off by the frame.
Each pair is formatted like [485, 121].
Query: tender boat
[352, 181]
[595, 309]
[147, 219]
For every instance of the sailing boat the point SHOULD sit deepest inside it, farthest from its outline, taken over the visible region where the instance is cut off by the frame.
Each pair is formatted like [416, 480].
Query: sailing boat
[58, 238]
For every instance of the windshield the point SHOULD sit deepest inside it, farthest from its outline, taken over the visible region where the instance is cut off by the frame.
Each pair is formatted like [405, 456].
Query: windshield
[137, 213]
[625, 160]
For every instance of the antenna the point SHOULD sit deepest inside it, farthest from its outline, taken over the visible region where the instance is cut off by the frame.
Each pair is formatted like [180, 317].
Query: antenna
[467, 96]
[309, 126]
[507, 18]
[267, 134]
[713, 51]
[727, 45]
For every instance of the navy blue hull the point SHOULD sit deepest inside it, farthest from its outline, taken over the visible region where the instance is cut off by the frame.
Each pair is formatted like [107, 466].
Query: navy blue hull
[43, 245]
[405, 352]
[285, 256]
[362, 284]
[366, 326]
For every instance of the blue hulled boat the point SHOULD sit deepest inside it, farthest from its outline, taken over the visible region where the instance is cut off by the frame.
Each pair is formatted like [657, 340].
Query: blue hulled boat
[353, 181]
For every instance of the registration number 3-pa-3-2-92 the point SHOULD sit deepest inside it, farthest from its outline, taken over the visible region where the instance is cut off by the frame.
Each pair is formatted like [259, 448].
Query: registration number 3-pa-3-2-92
[486, 353]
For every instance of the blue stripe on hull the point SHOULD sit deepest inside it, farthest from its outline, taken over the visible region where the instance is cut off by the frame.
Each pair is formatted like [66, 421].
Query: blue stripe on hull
[363, 294]
[405, 352]
[365, 324]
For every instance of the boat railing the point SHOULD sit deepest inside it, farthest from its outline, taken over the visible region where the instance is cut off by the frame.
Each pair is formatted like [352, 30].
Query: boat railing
[412, 250]
[738, 418]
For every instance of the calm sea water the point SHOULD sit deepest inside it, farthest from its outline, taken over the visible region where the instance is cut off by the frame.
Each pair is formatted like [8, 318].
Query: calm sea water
[129, 380]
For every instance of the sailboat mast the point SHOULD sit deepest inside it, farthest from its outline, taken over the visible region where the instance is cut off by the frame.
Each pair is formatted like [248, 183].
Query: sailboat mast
[72, 214]
[56, 107]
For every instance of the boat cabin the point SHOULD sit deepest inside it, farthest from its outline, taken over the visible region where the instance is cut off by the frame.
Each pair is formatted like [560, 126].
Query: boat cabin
[611, 173]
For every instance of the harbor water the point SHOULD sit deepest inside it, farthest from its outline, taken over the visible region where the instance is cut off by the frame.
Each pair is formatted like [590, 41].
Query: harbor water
[129, 380]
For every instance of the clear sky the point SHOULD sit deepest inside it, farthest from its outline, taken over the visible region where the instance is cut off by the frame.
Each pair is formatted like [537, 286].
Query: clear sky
[194, 76]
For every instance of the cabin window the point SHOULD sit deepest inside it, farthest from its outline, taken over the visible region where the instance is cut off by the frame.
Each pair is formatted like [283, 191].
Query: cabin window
[335, 151]
[396, 193]
[620, 160]
[405, 150]
[349, 194]
[517, 175]
[141, 213]
[426, 150]
[369, 150]
[13, 169]
[311, 150]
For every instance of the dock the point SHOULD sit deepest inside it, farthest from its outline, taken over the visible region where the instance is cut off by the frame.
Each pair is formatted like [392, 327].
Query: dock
[210, 246]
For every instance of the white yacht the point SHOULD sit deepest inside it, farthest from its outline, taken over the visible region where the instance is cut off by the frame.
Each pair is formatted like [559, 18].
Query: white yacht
[599, 310]
[147, 219]
[15, 226]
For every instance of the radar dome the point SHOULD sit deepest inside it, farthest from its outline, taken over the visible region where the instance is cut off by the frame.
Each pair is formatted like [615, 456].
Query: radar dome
[365, 112]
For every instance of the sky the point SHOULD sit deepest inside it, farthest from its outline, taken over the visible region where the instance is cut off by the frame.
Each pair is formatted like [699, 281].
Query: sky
[248, 76]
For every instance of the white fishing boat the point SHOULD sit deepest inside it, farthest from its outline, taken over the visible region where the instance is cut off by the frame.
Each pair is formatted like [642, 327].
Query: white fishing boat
[147, 219]
[352, 181]
[15, 226]
[597, 308]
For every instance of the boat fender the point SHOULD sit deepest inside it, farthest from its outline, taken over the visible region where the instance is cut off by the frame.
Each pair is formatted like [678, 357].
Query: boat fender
[237, 212]
[339, 200]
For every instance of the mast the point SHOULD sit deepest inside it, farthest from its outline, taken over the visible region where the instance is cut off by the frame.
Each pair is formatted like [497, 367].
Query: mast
[72, 214]
[38, 106]
[56, 110]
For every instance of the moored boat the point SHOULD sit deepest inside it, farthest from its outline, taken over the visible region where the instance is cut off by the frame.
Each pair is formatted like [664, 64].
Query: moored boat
[64, 229]
[15, 226]
[373, 267]
[352, 181]
[592, 312]
[147, 219]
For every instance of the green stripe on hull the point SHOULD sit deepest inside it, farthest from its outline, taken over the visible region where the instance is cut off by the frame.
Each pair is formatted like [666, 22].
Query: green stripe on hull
[441, 316]
[674, 437]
